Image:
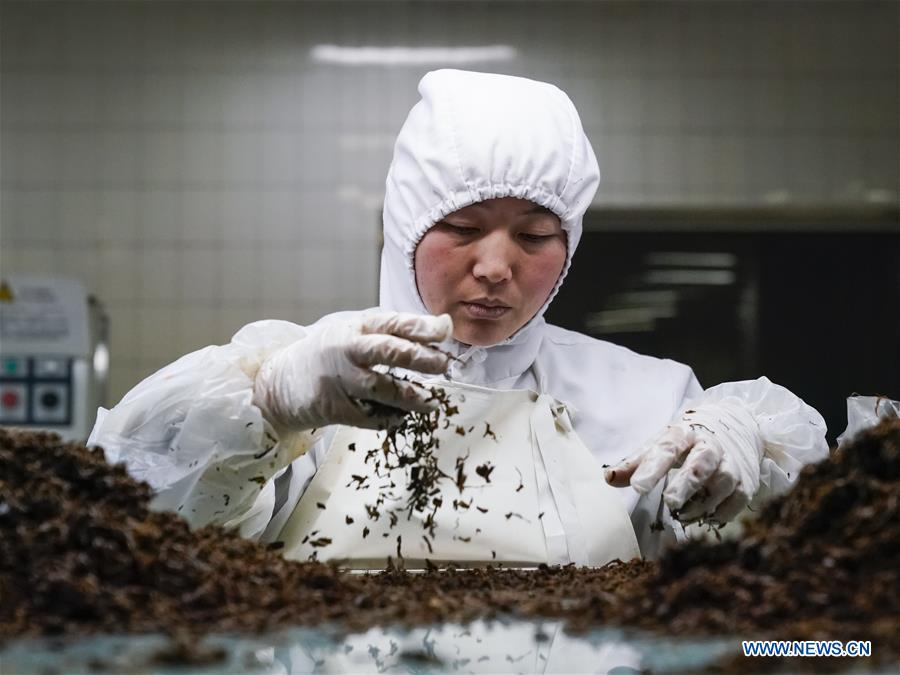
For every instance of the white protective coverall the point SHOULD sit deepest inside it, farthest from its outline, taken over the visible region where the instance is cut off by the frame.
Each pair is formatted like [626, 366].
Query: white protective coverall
[193, 432]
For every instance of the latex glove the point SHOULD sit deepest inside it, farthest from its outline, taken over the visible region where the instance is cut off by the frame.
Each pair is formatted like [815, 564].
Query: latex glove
[715, 450]
[328, 378]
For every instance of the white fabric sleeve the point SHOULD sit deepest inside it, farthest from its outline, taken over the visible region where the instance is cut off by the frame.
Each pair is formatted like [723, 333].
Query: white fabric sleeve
[191, 431]
[793, 432]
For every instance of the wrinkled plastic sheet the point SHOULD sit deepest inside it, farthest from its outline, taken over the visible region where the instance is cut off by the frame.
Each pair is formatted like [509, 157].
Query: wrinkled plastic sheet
[480, 647]
[864, 412]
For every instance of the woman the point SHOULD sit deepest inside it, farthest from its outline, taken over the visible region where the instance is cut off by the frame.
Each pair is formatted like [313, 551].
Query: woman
[489, 182]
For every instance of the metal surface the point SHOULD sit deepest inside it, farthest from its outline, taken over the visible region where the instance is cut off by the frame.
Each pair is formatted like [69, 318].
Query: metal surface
[481, 647]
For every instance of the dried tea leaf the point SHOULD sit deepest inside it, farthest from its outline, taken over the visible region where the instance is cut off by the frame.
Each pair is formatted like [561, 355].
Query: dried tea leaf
[485, 470]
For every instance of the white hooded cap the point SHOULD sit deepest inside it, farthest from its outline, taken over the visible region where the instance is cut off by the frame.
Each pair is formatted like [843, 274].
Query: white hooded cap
[478, 136]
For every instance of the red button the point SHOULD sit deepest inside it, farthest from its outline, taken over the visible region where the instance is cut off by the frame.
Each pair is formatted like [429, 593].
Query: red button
[10, 399]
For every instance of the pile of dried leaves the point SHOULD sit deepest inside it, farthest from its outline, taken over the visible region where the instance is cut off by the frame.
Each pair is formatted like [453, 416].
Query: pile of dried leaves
[813, 564]
[821, 562]
[80, 551]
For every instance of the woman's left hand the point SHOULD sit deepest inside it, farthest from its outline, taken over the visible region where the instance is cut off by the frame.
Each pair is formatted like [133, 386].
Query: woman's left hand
[740, 441]
[715, 450]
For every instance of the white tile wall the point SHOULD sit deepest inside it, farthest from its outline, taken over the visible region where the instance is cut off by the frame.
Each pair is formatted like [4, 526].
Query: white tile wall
[197, 170]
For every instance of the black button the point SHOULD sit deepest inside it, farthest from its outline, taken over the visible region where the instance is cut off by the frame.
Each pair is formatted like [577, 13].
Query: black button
[49, 399]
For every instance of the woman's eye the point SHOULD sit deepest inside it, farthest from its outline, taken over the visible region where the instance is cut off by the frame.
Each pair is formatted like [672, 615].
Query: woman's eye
[536, 238]
[461, 229]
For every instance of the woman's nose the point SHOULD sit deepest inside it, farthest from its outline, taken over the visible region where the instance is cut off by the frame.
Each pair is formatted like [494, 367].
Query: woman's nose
[494, 260]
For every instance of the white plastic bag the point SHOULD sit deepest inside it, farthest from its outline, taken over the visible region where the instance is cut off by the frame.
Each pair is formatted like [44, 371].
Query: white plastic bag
[866, 411]
[192, 432]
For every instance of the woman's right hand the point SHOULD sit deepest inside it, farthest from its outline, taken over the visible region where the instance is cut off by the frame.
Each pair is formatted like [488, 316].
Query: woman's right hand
[327, 377]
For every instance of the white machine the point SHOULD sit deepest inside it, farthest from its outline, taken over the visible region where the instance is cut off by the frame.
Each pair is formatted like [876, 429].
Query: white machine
[53, 356]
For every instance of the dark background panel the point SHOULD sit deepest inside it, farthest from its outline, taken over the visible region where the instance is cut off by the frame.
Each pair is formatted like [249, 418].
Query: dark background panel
[830, 320]
[818, 312]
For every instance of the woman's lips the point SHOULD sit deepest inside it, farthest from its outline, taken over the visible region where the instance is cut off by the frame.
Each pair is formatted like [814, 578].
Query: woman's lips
[477, 311]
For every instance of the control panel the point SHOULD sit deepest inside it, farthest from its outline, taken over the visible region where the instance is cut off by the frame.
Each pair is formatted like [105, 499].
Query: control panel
[36, 390]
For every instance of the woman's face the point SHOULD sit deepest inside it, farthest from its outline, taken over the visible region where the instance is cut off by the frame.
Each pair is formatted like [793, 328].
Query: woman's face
[490, 266]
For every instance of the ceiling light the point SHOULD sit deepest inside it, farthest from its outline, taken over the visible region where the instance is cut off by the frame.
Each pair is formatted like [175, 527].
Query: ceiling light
[690, 277]
[410, 56]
